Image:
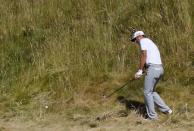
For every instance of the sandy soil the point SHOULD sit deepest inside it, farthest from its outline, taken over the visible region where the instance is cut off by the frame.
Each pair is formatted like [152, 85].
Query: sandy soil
[132, 122]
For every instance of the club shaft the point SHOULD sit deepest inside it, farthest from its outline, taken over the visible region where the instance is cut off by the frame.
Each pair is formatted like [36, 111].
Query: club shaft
[120, 88]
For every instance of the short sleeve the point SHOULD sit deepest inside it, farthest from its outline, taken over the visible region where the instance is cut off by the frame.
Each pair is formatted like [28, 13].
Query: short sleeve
[143, 44]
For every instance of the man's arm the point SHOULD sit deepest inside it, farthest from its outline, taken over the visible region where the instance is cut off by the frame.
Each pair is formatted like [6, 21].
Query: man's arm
[143, 59]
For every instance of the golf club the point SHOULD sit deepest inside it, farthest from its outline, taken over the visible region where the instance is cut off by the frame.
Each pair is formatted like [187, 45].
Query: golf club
[119, 88]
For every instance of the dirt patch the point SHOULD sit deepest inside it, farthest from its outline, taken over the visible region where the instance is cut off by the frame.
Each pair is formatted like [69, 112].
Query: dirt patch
[114, 122]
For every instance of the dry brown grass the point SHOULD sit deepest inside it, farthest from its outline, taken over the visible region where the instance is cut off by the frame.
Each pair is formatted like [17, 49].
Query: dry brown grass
[67, 54]
[132, 122]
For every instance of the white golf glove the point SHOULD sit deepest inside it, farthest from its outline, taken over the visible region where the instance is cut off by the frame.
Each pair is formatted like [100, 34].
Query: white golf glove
[138, 74]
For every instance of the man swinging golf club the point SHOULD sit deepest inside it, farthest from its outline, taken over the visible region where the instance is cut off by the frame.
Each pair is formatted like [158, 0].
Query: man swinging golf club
[150, 56]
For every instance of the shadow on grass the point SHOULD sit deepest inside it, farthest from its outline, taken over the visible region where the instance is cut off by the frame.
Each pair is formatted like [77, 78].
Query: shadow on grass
[137, 106]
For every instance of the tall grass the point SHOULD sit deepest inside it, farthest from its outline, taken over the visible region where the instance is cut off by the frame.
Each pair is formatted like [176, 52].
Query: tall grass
[56, 46]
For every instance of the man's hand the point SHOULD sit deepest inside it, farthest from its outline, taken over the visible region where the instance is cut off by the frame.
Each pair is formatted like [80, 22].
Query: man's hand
[138, 74]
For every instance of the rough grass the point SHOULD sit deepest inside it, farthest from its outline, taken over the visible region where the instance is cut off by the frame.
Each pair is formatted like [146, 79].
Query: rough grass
[66, 54]
[93, 112]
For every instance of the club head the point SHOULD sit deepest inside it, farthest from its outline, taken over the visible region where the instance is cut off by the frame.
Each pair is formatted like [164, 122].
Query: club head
[104, 96]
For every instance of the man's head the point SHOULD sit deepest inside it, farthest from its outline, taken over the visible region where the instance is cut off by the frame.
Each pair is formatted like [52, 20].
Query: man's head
[137, 36]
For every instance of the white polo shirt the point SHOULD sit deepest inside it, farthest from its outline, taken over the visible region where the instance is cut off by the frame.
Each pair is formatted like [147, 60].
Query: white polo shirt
[153, 54]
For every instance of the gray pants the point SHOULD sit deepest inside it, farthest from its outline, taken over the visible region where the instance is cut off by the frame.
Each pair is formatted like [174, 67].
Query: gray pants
[151, 97]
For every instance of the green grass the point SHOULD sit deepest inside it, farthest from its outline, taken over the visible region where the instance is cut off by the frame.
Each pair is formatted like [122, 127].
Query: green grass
[65, 47]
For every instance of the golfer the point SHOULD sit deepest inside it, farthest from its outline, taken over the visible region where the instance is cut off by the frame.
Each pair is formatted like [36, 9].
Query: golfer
[150, 58]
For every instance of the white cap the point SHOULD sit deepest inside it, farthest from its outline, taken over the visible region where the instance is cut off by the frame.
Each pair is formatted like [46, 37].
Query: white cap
[136, 34]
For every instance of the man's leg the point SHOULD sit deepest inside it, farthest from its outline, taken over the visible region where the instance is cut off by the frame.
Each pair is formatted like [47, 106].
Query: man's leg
[148, 94]
[160, 103]
[157, 99]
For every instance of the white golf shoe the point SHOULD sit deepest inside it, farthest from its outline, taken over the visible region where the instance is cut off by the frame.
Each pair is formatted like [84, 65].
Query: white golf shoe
[168, 112]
